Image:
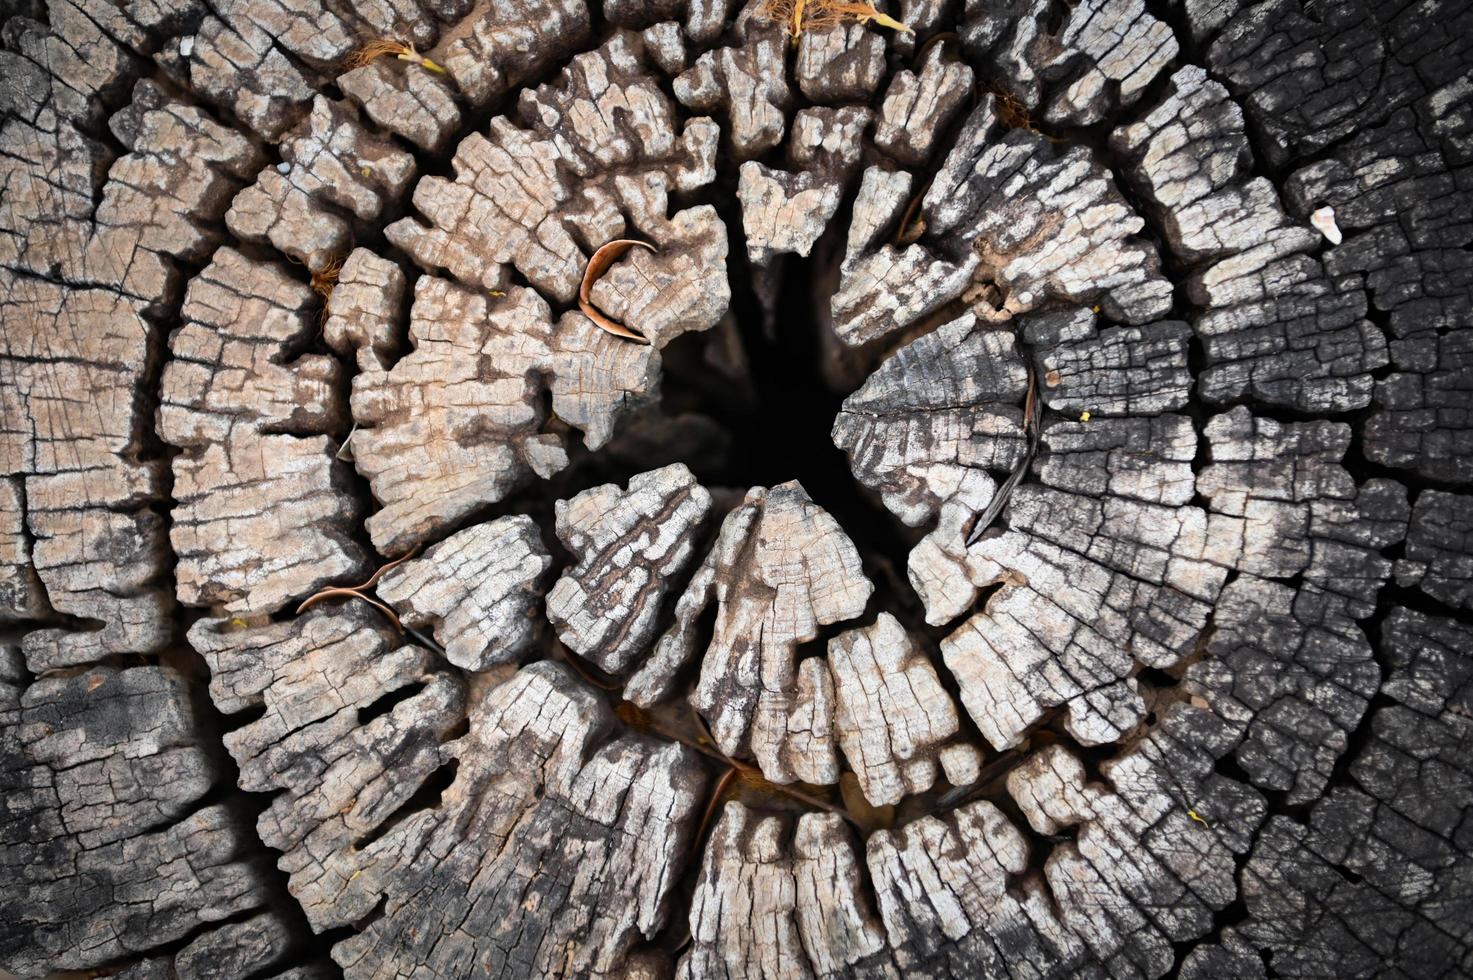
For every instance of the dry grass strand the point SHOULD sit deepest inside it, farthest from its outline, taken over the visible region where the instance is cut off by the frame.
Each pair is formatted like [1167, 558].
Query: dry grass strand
[798, 16]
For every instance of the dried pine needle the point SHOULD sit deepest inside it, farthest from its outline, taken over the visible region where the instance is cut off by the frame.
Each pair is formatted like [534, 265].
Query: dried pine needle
[324, 279]
[1011, 111]
[798, 16]
[391, 47]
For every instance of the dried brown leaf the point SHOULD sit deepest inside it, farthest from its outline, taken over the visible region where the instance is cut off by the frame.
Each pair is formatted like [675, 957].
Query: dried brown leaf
[606, 255]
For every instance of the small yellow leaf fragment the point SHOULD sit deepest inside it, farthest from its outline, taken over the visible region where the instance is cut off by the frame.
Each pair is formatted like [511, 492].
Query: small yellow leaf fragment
[238, 623]
[366, 171]
[1195, 816]
[1084, 416]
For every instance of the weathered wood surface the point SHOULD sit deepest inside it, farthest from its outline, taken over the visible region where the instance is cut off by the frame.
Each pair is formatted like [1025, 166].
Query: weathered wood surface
[1036, 540]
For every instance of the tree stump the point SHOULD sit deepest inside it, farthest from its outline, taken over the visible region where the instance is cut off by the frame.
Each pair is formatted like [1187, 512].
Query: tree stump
[700, 488]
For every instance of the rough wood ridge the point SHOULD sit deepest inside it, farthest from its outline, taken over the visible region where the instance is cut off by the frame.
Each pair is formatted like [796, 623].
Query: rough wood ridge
[1036, 540]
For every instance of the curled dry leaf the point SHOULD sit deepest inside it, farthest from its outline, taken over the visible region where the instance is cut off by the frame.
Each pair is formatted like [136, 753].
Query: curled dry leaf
[598, 264]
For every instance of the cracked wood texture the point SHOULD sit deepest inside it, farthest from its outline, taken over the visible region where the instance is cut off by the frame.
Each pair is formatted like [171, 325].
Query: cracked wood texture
[1035, 542]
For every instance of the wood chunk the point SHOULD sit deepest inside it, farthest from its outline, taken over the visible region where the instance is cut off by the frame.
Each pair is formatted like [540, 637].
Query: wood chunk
[749, 81]
[1135, 370]
[63, 204]
[1276, 326]
[477, 590]
[504, 43]
[102, 852]
[781, 569]
[956, 900]
[783, 212]
[767, 907]
[97, 549]
[1191, 160]
[1305, 107]
[891, 713]
[544, 197]
[1174, 766]
[22, 596]
[68, 60]
[1420, 419]
[883, 289]
[1293, 675]
[1099, 59]
[99, 564]
[117, 751]
[339, 178]
[879, 205]
[1147, 459]
[1001, 39]
[1013, 199]
[1088, 589]
[263, 511]
[58, 341]
[1108, 52]
[843, 63]
[1290, 507]
[682, 286]
[917, 108]
[1394, 189]
[883, 292]
[961, 762]
[340, 768]
[631, 548]
[935, 418]
[828, 142]
[365, 310]
[1373, 878]
[236, 948]
[665, 44]
[189, 874]
[406, 100]
[164, 198]
[473, 381]
[234, 62]
[1139, 875]
[554, 797]
[1439, 557]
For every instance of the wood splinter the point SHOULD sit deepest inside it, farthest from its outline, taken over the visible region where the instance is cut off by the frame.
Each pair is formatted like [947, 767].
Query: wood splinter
[606, 255]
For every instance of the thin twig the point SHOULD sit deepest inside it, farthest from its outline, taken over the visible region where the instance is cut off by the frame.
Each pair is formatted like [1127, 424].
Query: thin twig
[360, 592]
[721, 784]
[339, 593]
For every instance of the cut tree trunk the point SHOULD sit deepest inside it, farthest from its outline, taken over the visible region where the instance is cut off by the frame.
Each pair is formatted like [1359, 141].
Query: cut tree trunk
[1012, 518]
